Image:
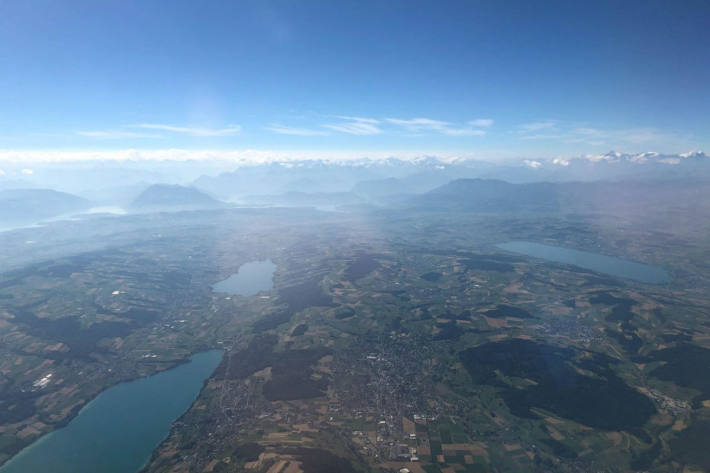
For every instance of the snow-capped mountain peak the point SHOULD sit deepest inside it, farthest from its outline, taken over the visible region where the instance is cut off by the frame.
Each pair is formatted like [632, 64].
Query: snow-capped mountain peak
[693, 154]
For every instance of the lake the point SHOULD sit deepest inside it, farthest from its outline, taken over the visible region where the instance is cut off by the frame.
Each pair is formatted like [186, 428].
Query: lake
[249, 280]
[118, 431]
[596, 262]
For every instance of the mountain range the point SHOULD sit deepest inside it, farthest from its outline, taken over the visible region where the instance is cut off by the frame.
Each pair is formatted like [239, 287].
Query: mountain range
[377, 178]
[106, 183]
[428, 181]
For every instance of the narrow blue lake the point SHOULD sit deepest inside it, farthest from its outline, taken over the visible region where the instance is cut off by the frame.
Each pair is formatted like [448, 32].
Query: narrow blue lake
[594, 261]
[249, 280]
[118, 431]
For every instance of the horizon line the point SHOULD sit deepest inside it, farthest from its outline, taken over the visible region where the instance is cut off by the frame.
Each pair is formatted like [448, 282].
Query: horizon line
[263, 156]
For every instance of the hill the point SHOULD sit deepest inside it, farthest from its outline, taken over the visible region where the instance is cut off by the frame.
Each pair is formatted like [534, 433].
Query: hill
[163, 196]
[32, 205]
[492, 195]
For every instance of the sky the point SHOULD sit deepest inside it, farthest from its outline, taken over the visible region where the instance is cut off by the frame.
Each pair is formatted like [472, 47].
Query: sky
[480, 78]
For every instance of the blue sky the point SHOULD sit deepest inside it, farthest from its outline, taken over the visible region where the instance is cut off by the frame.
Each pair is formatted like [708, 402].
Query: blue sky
[485, 78]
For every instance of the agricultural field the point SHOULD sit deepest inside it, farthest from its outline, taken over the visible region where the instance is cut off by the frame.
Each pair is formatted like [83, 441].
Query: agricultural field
[385, 343]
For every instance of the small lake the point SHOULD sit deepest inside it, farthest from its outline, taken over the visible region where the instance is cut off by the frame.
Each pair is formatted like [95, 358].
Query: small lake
[249, 280]
[118, 431]
[603, 264]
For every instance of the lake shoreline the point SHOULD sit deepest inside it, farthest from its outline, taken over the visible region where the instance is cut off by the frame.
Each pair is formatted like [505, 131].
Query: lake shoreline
[597, 262]
[10, 462]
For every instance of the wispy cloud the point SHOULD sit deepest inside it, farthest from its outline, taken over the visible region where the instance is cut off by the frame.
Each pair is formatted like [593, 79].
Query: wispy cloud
[554, 130]
[542, 136]
[631, 136]
[358, 119]
[115, 134]
[355, 126]
[463, 132]
[578, 134]
[192, 131]
[481, 122]
[537, 126]
[288, 130]
[643, 135]
[588, 131]
[420, 125]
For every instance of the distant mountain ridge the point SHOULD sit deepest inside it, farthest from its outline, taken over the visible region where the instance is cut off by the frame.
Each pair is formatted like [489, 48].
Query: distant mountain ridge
[378, 178]
[165, 196]
[323, 176]
[32, 205]
[375, 180]
[616, 197]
